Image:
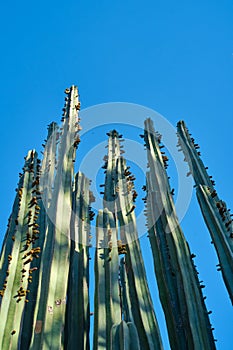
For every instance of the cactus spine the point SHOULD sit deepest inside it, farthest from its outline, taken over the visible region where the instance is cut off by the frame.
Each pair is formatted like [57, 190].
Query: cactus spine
[186, 315]
[214, 210]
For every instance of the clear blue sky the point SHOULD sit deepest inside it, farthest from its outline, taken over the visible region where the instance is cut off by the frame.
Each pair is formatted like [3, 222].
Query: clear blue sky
[175, 57]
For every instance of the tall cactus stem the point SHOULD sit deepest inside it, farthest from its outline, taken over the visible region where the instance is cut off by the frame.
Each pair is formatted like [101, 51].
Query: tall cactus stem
[216, 215]
[181, 297]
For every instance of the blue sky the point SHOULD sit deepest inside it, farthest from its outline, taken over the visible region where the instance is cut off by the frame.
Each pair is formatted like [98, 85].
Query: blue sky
[175, 57]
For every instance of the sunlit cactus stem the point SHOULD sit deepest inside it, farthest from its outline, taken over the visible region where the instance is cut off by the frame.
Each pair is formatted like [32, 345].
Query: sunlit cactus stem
[124, 292]
[180, 293]
[21, 247]
[45, 185]
[40, 246]
[220, 235]
[54, 322]
[216, 215]
[77, 325]
[107, 299]
[119, 197]
[124, 336]
[45, 268]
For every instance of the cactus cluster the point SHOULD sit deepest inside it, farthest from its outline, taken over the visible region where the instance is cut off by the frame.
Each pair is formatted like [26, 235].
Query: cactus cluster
[45, 256]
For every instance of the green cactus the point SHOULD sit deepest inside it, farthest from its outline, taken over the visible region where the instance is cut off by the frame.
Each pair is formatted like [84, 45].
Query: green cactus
[181, 297]
[107, 301]
[46, 183]
[39, 253]
[19, 252]
[124, 293]
[44, 262]
[52, 331]
[119, 197]
[78, 313]
[124, 336]
[214, 210]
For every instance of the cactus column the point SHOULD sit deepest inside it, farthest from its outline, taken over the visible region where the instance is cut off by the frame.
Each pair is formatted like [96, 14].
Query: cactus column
[78, 314]
[107, 298]
[180, 293]
[214, 210]
[43, 179]
[44, 262]
[20, 249]
[52, 332]
[118, 198]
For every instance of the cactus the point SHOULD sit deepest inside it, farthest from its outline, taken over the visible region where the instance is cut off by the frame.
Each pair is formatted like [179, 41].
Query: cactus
[46, 184]
[124, 336]
[21, 249]
[181, 297]
[78, 315]
[44, 262]
[42, 286]
[219, 233]
[118, 198]
[107, 302]
[124, 293]
[214, 210]
[52, 331]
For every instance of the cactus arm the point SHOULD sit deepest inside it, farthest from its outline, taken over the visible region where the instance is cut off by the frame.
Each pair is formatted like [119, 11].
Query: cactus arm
[189, 326]
[159, 247]
[196, 165]
[44, 261]
[78, 312]
[133, 335]
[107, 279]
[53, 332]
[219, 234]
[118, 198]
[100, 295]
[121, 209]
[12, 308]
[46, 237]
[114, 271]
[214, 210]
[107, 301]
[39, 220]
[124, 336]
[111, 188]
[8, 244]
[141, 302]
[41, 319]
[115, 339]
[125, 298]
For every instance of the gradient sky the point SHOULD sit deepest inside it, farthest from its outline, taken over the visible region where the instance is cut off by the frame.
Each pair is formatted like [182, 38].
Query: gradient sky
[175, 57]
